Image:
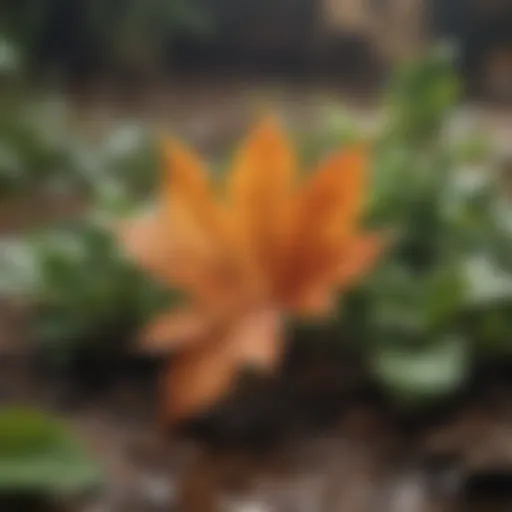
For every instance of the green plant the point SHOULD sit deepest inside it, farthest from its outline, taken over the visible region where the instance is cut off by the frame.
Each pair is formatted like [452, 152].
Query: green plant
[39, 456]
[10, 58]
[84, 296]
[125, 166]
[431, 309]
[37, 149]
[337, 127]
[421, 95]
[41, 152]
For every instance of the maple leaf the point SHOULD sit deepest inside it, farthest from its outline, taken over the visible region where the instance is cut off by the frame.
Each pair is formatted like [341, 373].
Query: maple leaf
[271, 245]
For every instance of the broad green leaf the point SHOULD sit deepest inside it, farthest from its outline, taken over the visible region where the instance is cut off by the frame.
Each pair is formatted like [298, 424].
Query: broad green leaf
[10, 57]
[445, 291]
[415, 374]
[39, 455]
[85, 294]
[486, 281]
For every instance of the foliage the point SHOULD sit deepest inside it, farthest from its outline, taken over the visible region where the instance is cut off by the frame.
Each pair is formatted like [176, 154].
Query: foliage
[433, 305]
[123, 167]
[337, 126]
[41, 152]
[36, 148]
[84, 294]
[10, 58]
[421, 374]
[421, 95]
[38, 455]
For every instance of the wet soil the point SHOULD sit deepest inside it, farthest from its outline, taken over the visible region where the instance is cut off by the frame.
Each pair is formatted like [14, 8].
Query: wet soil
[266, 450]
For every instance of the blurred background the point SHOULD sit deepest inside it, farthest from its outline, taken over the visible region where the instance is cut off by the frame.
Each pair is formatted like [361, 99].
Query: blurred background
[402, 402]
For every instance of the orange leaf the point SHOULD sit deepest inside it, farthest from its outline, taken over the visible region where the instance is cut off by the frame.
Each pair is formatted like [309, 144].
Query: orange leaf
[184, 175]
[326, 216]
[332, 198]
[187, 185]
[260, 339]
[199, 228]
[199, 377]
[147, 241]
[317, 301]
[259, 191]
[174, 257]
[361, 255]
[276, 247]
[175, 330]
[317, 297]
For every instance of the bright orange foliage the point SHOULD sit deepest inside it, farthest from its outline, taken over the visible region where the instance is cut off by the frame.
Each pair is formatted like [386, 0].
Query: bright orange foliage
[272, 245]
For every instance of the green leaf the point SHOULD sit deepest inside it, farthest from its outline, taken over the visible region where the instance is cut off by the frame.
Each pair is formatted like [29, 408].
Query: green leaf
[474, 149]
[444, 295]
[10, 57]
[85, 294]
[413, 374]
[38, 455]
[487, 282]
[421, 95]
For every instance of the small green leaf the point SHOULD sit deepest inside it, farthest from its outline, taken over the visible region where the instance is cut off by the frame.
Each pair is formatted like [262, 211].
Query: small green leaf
[487, 282]
[38, 455]
[415, 374]
[444, 295]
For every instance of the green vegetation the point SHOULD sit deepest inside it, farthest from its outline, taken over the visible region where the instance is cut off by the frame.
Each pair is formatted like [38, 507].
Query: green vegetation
[440, 297]
[85, 297]
[39, 456]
